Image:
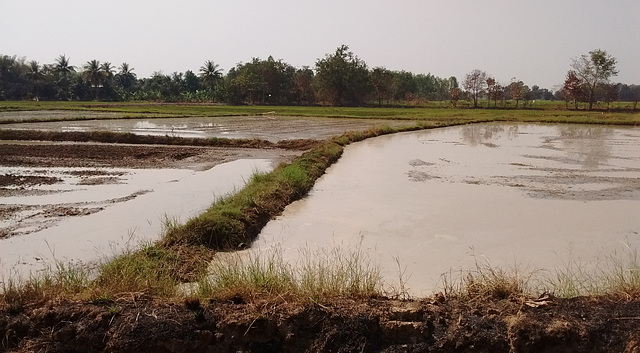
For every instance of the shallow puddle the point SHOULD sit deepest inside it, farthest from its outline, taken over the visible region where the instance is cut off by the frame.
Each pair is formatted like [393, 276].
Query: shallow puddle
[271, 128]
[438, 201]
[84, 215]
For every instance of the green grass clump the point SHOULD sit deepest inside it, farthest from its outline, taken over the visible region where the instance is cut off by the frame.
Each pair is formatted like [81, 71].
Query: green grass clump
[152, 270]
[322, 275]
[617, 273]
[148, 271]
[235, 221]
[63, 281]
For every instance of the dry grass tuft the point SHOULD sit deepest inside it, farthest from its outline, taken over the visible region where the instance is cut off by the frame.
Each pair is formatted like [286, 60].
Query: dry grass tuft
[485, 281]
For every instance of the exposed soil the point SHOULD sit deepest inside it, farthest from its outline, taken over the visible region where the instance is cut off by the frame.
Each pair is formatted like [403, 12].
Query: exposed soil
[347, 325]
[26, 180]
[128, 156]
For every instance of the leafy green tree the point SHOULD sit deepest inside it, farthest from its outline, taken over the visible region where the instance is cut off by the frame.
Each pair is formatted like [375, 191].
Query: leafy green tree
[382, 81]
[630, 93]
[263, 82]
[210, 74]
[594, 69]
[342, 78]
[609, 93]
[405, 87]
[191, 82]
[13, 84]
[176, 86]
[453, 82]
[303, 86]
[278, 81]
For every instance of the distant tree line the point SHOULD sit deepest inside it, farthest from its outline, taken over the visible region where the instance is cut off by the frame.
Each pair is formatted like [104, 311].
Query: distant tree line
[588, 81]
[340, 78]
[480, 85]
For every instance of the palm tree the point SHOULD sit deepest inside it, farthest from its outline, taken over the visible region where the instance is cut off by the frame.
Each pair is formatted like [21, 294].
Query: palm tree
[126, 78]
[94, 75]
[35, 75]
[210, 74]
[62, 67]
[107, 69]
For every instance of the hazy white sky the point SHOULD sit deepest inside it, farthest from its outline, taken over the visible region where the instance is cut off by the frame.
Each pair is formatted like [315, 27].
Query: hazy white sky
[533, 40]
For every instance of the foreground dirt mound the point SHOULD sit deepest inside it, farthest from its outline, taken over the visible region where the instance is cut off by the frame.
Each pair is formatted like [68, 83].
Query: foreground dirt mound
[375, 325]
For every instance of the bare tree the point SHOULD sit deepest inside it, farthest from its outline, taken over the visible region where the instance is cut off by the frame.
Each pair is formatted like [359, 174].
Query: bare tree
[475, 83]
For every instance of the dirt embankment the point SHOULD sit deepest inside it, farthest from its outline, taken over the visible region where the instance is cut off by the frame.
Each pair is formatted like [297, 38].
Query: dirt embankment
[372, 325]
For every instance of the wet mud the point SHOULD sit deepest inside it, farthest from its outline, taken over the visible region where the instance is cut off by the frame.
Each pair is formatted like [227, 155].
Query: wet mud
[345, 325]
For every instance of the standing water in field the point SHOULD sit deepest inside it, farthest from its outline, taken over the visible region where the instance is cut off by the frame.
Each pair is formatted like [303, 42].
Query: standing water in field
[440, 201]
[109, 218]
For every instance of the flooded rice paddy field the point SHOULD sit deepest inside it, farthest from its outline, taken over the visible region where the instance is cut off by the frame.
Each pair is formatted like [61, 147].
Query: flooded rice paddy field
[265, 127]
[54, 115]
[434, 202]
[82, 202]
[82, 215]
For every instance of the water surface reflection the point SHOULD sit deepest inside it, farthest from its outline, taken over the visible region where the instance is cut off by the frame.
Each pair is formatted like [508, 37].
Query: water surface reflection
[443, 199]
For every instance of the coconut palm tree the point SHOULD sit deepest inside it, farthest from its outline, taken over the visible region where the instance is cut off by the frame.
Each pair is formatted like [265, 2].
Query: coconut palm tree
[63, 70]
[62, 67]
[107, 69]
[94, 75]
[210, 74]
[126, 78]
[35, 75]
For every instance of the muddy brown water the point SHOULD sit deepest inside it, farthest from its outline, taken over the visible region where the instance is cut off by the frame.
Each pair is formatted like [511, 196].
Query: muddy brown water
[88, 215]
[434, 202]
[271, 128]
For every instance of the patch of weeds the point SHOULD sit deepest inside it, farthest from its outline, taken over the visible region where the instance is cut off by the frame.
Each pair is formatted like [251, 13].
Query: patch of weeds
[617, 273]
[485, 281]
[103, 299]
[114, 310]
[148, 270]
[319, 275]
